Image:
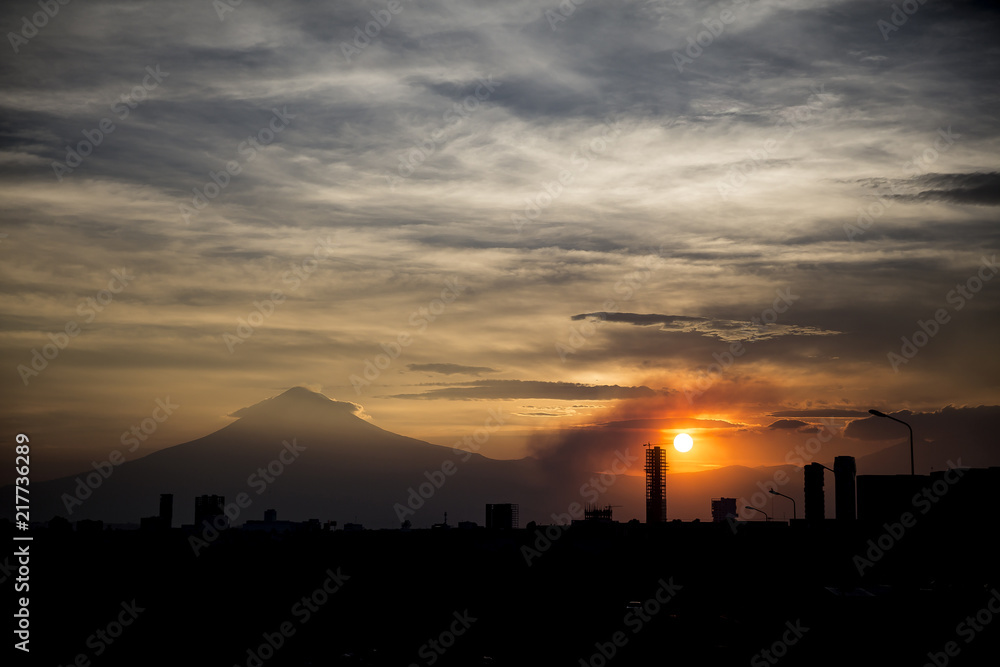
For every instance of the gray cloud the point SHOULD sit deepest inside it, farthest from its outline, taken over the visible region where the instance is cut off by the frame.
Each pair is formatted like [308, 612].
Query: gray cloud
[511, 389]
[451, 369]
[787, 424]
[975, 189]
[723, 329]
[820, 412]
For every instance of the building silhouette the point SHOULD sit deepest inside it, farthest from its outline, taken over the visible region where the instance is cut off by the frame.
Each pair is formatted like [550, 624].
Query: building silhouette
[270, 516]
[723, 509]
[209, 508]
[165, 519]
[502, 516]
[884, 498]
[167, 510]
[845, 470]
[656, 485]
[815, 500]
[597, 512]
[960, 498]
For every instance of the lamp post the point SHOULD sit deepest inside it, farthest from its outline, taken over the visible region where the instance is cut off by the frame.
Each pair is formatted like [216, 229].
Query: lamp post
[773, 492]
[882, 414]
[757, 509]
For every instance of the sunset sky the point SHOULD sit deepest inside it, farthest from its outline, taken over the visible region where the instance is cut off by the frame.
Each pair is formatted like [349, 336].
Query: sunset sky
[495, 206]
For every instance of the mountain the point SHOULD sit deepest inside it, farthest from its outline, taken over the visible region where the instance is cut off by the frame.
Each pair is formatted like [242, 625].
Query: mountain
[309, 456]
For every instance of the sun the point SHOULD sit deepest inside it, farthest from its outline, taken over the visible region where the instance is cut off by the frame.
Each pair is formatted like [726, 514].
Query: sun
[683, 442]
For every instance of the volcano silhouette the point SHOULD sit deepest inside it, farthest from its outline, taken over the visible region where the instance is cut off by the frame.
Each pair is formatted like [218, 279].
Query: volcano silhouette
[334, 465]
[349, 470]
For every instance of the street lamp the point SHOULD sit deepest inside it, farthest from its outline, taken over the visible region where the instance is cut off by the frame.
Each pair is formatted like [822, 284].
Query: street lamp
[773, 492]
[757, 509]
[882, 414]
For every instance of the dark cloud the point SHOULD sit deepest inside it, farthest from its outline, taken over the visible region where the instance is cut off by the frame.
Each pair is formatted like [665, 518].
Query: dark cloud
[820, 412]
[724, 329]
[977, 424]
[512, 389]
[639, 319]
[787, 424]
[451, 369]
[976, 189]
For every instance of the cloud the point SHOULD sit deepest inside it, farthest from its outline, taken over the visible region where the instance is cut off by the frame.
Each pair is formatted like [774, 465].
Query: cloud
[977, 189]
[972, 189]
[976, 424]
[723, 329]
[662, 423]
[511, 389]
[451, 369]
[820, 412]
[787, 423]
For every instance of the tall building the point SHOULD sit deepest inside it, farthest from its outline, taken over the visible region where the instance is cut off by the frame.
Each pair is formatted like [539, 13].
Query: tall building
[206, 508]
[597, 513]
[815, 501]
[883, 498]
[166, 510]
[502, 515]
[723, 508]
[845, 471]
[656, 485]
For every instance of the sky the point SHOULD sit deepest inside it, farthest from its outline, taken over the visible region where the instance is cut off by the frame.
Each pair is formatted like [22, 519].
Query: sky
[736, 219]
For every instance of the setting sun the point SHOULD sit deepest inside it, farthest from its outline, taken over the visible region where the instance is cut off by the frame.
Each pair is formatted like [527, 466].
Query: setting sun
[683, 442]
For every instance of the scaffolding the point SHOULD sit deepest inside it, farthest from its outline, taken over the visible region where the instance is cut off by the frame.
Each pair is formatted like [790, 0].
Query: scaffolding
[656, 485]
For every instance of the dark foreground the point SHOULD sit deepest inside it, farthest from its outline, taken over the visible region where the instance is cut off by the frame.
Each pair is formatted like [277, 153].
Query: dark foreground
[756, 594]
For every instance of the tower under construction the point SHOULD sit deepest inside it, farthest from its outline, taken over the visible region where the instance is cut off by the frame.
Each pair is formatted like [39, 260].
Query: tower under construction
[656, 485]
